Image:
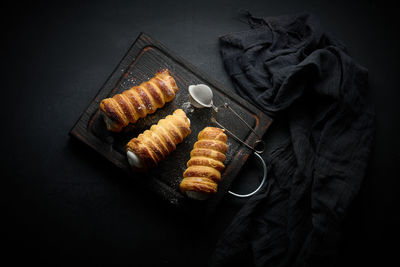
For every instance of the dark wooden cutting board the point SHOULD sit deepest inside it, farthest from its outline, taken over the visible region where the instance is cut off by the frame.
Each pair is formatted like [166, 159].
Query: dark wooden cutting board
[145, 57]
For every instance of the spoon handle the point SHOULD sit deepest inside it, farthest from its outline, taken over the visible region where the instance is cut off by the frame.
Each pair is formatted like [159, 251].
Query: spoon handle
[226, 105]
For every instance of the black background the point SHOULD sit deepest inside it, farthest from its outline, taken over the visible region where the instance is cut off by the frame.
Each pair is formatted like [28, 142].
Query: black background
[63, 203]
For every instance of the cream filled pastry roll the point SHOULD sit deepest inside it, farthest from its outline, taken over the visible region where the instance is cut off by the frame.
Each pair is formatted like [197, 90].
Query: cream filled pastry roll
[153, 145]
[135, 103]
[203, 173]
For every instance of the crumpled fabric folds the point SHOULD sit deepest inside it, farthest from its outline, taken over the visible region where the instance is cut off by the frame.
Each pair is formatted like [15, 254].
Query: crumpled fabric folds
[297, 73]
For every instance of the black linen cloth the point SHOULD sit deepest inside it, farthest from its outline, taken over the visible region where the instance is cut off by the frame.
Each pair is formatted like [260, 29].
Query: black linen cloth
[294, 71]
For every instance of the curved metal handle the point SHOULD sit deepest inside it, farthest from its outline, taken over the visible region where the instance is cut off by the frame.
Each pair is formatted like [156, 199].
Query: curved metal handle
[262, 181]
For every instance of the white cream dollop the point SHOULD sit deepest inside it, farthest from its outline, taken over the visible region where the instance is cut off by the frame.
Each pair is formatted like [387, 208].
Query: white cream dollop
[107, 120]
[133, 159]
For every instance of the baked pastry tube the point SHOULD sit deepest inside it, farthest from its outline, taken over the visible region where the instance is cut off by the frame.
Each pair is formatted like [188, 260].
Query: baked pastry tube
[203, 173]
[152, 146]
[137, 102]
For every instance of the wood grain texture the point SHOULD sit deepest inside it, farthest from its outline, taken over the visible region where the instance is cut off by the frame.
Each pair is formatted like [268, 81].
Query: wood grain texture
[145, 57]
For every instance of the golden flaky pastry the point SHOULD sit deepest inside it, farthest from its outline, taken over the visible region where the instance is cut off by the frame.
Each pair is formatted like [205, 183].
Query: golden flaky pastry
[137, 102]
[152, 146]
[206, 163]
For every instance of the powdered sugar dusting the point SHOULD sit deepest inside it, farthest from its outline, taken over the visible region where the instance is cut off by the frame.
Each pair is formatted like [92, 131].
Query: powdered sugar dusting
[187, 107]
